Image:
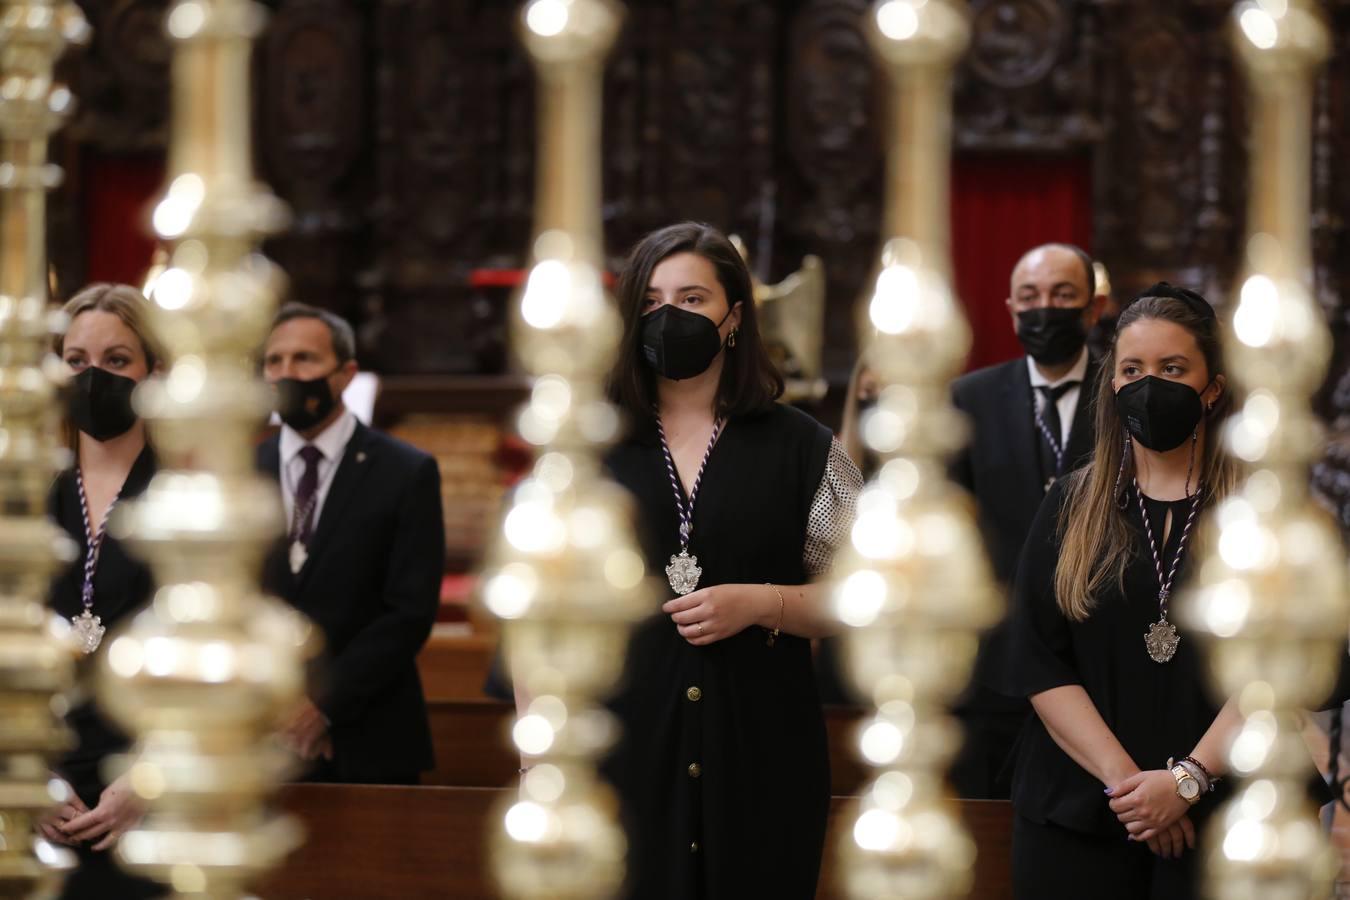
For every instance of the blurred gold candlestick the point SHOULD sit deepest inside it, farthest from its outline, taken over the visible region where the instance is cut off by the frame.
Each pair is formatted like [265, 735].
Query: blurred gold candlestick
[564, 575]
[202, 675]
[1270, 599]
[36, 666]
[913, 584]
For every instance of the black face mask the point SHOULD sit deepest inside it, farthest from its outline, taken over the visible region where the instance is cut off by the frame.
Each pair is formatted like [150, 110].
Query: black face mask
[304, 404]
[99, 403]
[1158, 413]
[680, 344]
[1051, 335]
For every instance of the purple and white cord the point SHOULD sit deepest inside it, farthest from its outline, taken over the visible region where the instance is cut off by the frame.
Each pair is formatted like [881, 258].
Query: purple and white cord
[686, 510]
[1052, 440]
[1165, 585]
[94, 540]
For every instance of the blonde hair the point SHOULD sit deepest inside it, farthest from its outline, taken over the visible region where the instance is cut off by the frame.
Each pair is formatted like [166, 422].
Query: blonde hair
[125, 302]
[1095, 540]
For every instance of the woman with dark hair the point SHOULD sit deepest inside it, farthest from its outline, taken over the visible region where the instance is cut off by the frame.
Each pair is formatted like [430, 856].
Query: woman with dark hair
[1116, 687]
[109, 348]
[722, 768]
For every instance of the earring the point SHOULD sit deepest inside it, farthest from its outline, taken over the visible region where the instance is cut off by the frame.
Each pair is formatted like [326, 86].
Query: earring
[1120, 474]
[731, 338]
[1190, 466]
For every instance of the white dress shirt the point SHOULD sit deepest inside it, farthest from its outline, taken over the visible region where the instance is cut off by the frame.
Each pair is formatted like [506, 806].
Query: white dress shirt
[332, 443]
[1068, 401]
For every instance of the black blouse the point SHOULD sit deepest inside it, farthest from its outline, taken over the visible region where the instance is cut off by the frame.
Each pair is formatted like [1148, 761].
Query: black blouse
[121, 586]
[1156, 710]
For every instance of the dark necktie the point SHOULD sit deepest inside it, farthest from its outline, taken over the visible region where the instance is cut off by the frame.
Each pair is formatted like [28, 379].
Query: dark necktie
[1051, 426]
[306, 495]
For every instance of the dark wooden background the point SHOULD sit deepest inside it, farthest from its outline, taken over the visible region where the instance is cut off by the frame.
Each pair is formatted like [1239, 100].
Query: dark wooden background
[401, 134]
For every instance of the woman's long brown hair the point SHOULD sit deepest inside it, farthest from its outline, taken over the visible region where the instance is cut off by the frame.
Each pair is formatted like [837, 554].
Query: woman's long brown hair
[750, 381]
[1095, 541]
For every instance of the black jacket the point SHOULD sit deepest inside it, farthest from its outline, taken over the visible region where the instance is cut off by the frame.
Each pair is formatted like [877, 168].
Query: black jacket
[371, 584]
[1001, 466]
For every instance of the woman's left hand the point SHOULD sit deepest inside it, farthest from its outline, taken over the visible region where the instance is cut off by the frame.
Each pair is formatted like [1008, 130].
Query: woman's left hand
[716, 613]
[1147, 803]
[118, 811]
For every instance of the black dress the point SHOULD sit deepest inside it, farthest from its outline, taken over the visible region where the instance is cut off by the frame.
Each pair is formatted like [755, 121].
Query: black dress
[1064, 834]
[722, 769]
[121, 586]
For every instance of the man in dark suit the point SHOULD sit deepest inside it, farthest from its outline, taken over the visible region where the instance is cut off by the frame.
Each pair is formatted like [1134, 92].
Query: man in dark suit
[363, 558]
[1031, 423]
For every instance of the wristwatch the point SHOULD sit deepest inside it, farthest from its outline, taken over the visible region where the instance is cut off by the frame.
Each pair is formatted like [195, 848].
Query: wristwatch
[1188, 788]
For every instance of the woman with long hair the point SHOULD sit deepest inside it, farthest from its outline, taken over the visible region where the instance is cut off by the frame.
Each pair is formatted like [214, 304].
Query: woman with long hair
[109, 348]
[1121, 764]
[722, 769]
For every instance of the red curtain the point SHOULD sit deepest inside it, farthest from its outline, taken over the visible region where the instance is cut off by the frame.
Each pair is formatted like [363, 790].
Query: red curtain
[1003, 206]
[119, 193]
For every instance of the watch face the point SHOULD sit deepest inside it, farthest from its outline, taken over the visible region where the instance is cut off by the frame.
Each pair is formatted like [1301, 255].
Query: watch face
[1189, 788]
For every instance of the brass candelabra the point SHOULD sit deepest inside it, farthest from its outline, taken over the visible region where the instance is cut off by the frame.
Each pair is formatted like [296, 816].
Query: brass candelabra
[36, 666]
[1270, 600]
[564, 575]
[201, 676]
[913, 585]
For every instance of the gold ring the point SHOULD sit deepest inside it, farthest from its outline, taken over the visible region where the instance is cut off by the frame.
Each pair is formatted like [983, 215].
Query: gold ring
[700, 627]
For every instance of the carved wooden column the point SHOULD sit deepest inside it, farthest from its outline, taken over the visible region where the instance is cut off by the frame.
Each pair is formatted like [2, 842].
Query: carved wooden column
[833, 99]
[314, 146]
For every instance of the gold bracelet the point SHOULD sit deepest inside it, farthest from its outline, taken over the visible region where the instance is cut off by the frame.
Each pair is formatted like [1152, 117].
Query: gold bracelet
[773, 635]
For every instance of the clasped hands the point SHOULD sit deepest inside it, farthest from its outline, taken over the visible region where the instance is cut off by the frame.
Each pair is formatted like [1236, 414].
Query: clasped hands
[305, 733]
[716, 613]
[72, 822]
[1148, 805]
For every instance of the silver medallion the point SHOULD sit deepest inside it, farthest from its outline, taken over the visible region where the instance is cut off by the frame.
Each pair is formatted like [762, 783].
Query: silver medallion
[86, 630]
[683, 573]
[1162, 640]
[298, 557]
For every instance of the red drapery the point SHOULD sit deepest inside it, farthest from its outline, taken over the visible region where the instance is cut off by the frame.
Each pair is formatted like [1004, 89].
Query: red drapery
[118, 195]
[1001, 207]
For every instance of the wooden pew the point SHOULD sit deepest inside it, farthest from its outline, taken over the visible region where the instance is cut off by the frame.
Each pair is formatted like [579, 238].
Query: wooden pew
[370, 843]
[473, 746]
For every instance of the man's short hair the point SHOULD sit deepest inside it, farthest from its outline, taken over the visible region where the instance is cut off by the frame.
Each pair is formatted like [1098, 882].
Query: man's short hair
[339, 329]
[1083, 257]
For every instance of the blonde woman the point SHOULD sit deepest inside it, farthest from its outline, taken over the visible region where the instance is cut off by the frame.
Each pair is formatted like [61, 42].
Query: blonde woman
[109, 349]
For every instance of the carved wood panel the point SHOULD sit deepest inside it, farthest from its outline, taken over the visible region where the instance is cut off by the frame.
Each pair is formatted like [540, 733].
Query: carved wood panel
[313, 118]
[401, 132]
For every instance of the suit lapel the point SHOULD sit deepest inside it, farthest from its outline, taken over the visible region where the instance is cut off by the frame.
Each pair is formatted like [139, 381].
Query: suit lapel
[351, 470]
[269, 457]
[276, 571]
[1018, 424]
[1081, 433]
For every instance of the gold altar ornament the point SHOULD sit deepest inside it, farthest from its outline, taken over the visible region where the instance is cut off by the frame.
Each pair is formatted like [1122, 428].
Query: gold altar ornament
[792, 325]
[564, 574]
[912, 586]
[36, 663]
[1270, 601]
[201, 676]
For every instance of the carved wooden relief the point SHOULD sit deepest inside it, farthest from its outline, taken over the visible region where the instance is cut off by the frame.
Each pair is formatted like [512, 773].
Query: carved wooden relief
[834, 101]
[401, 132]
[121, 78]
[313, 123]
[1030, 76]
